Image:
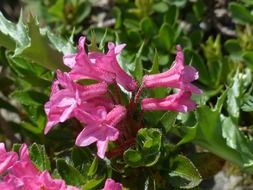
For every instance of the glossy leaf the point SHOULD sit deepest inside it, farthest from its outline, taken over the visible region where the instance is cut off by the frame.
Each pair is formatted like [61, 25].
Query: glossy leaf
[70, 174]
[166, 36]
[234, 96]
[240, 13]
[39, 157]
[133, 158]
[184, 174]
[29, 97]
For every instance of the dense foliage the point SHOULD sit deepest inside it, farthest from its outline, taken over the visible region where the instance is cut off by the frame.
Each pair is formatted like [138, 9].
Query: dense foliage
[169, 147]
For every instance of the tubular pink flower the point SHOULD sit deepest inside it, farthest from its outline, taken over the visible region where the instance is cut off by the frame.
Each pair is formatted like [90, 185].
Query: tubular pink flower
[110, 184]
[24, 167]
[109, 63]
[43, 181]
[7, 159]
[99, 66]
[83, 68]
[101, 128]
[10, 184]
[178, 76]
[180, 102]
[63, 102]
[23, 175]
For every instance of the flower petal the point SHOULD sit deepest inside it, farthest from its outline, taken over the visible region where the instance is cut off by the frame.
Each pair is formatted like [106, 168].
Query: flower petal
[180, 102]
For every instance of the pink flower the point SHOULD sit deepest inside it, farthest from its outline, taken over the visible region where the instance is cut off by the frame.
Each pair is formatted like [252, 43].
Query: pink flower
[100, 128]
[109, 63]
[84, 68]
[99, 66]
[178, 76]
[43, 181]
[180, 102]
[7, 159]
[65, 101]
[110, 184]
[10, 184]
[24, 166]
[23, 175]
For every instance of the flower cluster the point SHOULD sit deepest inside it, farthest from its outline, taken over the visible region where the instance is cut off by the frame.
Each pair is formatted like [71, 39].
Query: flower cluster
[179, 76]
[19, 173]
[89, 104]
[96, 107]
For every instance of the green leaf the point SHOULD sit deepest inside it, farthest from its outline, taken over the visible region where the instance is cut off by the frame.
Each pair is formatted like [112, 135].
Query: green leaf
[184, 174]
[93, 184]
[185, 42]
[93, 168]
[27, 41]
[160, 7]
[213, 53]
[118, 15]
[82, 11]
[196, 37]
[70, 174]
[131, 24]
[148, 149]
[233, 47]
[133, 158]
[21, 66]
[40, 51]
[248, 59]
[221, 100]
[93, 44]
[13, 36]
[215, 70]
[235, 50]
[57, 9]
[59, 43]
[147, 27]
[166, 35]
[171, 15]
[248, 2]
[30, 97]
[155, 66]
[80, 156]
[138, 68]
[212, 50]
[236, 140]
[209, 133]
[36, 81]
[39, 157]
[178, 3]
[144, 7]
[199, 9]
[31, 128]
[102, 41]
[234, 96]
[240, 13]
[220, 135]
[248, 104]
[134, 36]
[16, 147]
[149, 144]
[168, 120]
